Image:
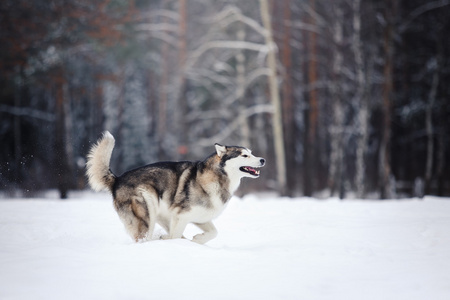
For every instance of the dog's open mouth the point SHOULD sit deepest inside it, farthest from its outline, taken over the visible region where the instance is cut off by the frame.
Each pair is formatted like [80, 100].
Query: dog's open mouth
[250, 170]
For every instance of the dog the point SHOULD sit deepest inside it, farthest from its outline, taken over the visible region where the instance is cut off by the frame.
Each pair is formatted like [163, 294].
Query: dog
[172, 194]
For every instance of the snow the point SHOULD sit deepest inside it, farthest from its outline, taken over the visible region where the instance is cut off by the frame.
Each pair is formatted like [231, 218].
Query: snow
[267, 248]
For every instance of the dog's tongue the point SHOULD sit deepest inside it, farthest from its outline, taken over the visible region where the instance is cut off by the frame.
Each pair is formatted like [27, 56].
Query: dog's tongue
[252, 171]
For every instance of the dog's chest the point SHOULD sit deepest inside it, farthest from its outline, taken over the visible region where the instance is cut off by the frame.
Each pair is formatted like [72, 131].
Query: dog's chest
[200, 214]
[208, 208]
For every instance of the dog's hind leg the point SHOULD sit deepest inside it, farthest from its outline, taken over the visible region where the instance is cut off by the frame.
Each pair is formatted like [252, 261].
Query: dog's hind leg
[151, 199]
[134, 215]
[209, 233]
[141, 213]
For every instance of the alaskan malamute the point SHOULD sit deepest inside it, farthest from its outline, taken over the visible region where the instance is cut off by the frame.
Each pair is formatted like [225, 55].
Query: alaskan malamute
[172, 194]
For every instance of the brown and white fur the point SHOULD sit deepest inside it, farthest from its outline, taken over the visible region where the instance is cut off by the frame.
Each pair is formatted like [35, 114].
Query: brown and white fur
[172, 194]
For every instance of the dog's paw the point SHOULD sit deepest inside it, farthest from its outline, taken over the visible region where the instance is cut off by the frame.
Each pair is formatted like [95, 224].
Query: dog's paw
[200, 239]
[164, 237]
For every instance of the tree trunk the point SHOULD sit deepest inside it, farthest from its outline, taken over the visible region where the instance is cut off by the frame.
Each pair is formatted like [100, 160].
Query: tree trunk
[429, 116]
[337, 124]
[68, 139]
[17, 130]
[384, 153]
[313, 112]
[62, 166]
[240, 91]
[161, 126]
[277, 125]
[288, 102]
[120, 118]
[181, 97]
[430, 131]
[361, 98]
[441, 155]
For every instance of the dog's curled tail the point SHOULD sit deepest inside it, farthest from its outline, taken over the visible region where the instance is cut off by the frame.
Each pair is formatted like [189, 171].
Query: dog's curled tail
[99, 175]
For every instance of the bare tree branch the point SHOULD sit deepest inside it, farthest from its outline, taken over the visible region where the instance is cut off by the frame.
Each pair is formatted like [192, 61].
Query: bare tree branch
[165, 13]
[421, 10]
[233, 14]
[28, 111]
[226, 45]
[158, 27]
[304, 26]
[162, 36]
[227, 131]
[249, 80]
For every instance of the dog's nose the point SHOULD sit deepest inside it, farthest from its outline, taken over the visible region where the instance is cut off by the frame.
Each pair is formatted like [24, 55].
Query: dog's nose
[263, 161]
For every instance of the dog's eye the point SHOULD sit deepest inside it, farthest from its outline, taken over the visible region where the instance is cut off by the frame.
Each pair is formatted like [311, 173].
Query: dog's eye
[245, 155]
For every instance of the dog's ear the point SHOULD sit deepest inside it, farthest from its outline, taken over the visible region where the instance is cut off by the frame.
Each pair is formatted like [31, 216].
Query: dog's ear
[221, 150]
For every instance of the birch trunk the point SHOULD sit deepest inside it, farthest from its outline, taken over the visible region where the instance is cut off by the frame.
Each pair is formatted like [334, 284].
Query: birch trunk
[361, 98]
[336, 127]
[277, 125]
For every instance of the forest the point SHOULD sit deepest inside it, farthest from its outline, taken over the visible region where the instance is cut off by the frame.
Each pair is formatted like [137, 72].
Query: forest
[344, 98]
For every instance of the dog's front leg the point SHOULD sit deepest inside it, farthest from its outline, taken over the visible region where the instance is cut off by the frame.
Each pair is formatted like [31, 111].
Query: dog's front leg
[209, 233]
[176, 228]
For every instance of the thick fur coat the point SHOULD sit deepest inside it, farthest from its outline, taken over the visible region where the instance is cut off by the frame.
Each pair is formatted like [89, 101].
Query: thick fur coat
[172, 194]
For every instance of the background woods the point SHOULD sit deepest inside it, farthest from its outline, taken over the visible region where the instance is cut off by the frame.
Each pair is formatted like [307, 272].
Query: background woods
[340, 96]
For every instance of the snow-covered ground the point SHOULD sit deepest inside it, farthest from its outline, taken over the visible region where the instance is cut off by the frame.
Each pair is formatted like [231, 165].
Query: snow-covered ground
[268, 248]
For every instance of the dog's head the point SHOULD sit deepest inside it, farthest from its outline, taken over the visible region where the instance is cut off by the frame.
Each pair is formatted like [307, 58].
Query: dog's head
[239, 161]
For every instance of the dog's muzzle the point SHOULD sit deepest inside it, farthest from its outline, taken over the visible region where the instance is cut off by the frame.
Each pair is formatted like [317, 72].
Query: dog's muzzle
[253, 170]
